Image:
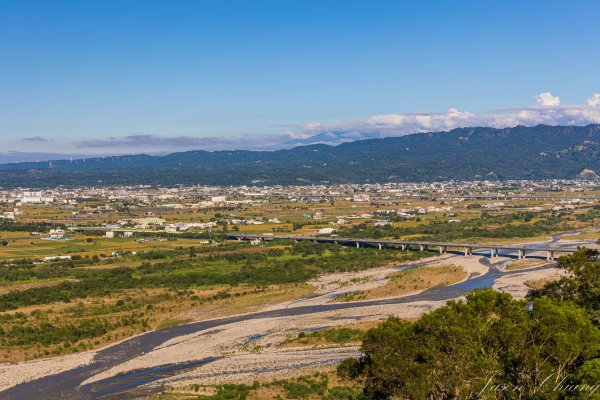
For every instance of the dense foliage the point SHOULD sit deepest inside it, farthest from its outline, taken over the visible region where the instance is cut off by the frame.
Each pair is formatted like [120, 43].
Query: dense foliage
[294, 264]
[581, 285]
[492, 346]
[7, 225]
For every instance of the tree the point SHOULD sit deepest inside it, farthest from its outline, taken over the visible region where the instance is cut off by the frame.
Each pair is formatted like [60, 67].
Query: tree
[581, 285]
[471, 348]
[588, 381]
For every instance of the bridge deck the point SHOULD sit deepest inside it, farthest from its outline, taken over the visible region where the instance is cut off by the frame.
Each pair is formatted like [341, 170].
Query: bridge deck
[376, 242]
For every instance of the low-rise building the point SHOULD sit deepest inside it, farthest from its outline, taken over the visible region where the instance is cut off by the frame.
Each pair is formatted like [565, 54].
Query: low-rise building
[326, 231]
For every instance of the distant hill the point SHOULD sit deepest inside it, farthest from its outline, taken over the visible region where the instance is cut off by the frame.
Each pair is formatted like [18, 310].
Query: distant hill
[467, 153]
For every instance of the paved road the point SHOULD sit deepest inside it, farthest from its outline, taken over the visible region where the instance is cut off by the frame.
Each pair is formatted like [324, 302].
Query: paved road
[66, 385]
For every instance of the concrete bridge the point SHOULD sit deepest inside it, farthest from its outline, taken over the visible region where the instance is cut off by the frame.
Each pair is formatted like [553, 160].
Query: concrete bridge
[493, 250]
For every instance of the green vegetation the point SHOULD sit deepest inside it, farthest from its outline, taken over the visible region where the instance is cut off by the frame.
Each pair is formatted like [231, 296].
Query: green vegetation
[581, 285]
[316, 386]
[409, 281]
[97, 302]
[231, 392]
[304, 387]
[330, 335]
[517, 225]
[491, 346]
[8, 225]
[44, 333]
[295, 264]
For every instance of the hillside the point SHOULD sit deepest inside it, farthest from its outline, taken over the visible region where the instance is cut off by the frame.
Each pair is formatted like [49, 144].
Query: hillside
[467, 153]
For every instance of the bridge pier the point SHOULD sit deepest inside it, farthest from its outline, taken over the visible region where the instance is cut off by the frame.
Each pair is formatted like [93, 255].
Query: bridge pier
[441, 247]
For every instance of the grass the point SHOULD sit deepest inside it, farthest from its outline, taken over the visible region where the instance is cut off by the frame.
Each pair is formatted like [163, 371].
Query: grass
[30, 284]
[410, 281]
[36, 247]
[524, 264]
[171, 322]
[539, 283]
[176, 288]
[342, 335]
[323, 385]
[141, 310]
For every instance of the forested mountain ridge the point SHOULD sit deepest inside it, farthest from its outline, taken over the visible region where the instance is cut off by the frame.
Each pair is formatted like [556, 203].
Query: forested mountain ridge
[537, 152]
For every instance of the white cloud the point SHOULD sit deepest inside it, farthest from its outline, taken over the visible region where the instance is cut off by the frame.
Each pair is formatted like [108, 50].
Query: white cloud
[546, 99]
[593, 101]
[547, 110]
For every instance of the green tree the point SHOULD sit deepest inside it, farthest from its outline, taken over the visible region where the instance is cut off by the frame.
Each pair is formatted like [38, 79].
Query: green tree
[466, 348]
[581, 285]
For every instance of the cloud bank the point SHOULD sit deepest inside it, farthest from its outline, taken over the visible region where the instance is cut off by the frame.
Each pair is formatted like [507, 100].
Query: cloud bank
[144, 141]
[36, 139]
[547, 110]
[152, 140]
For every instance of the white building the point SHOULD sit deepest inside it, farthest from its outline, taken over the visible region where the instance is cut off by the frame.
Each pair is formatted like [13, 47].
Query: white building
[383, 223]
[57, 233]
[57, 258]
[326, 231]
[361, 197]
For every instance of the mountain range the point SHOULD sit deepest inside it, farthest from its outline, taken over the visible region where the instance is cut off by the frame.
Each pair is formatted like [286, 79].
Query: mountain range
[538, 152]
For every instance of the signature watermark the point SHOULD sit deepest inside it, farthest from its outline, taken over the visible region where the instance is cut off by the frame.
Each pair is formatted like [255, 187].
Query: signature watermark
[549, 383]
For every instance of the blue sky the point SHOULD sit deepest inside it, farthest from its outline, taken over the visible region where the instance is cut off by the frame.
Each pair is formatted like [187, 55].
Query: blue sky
[88, 77]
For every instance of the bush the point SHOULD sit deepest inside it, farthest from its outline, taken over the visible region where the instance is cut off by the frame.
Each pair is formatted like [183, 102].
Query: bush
[465, 347]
